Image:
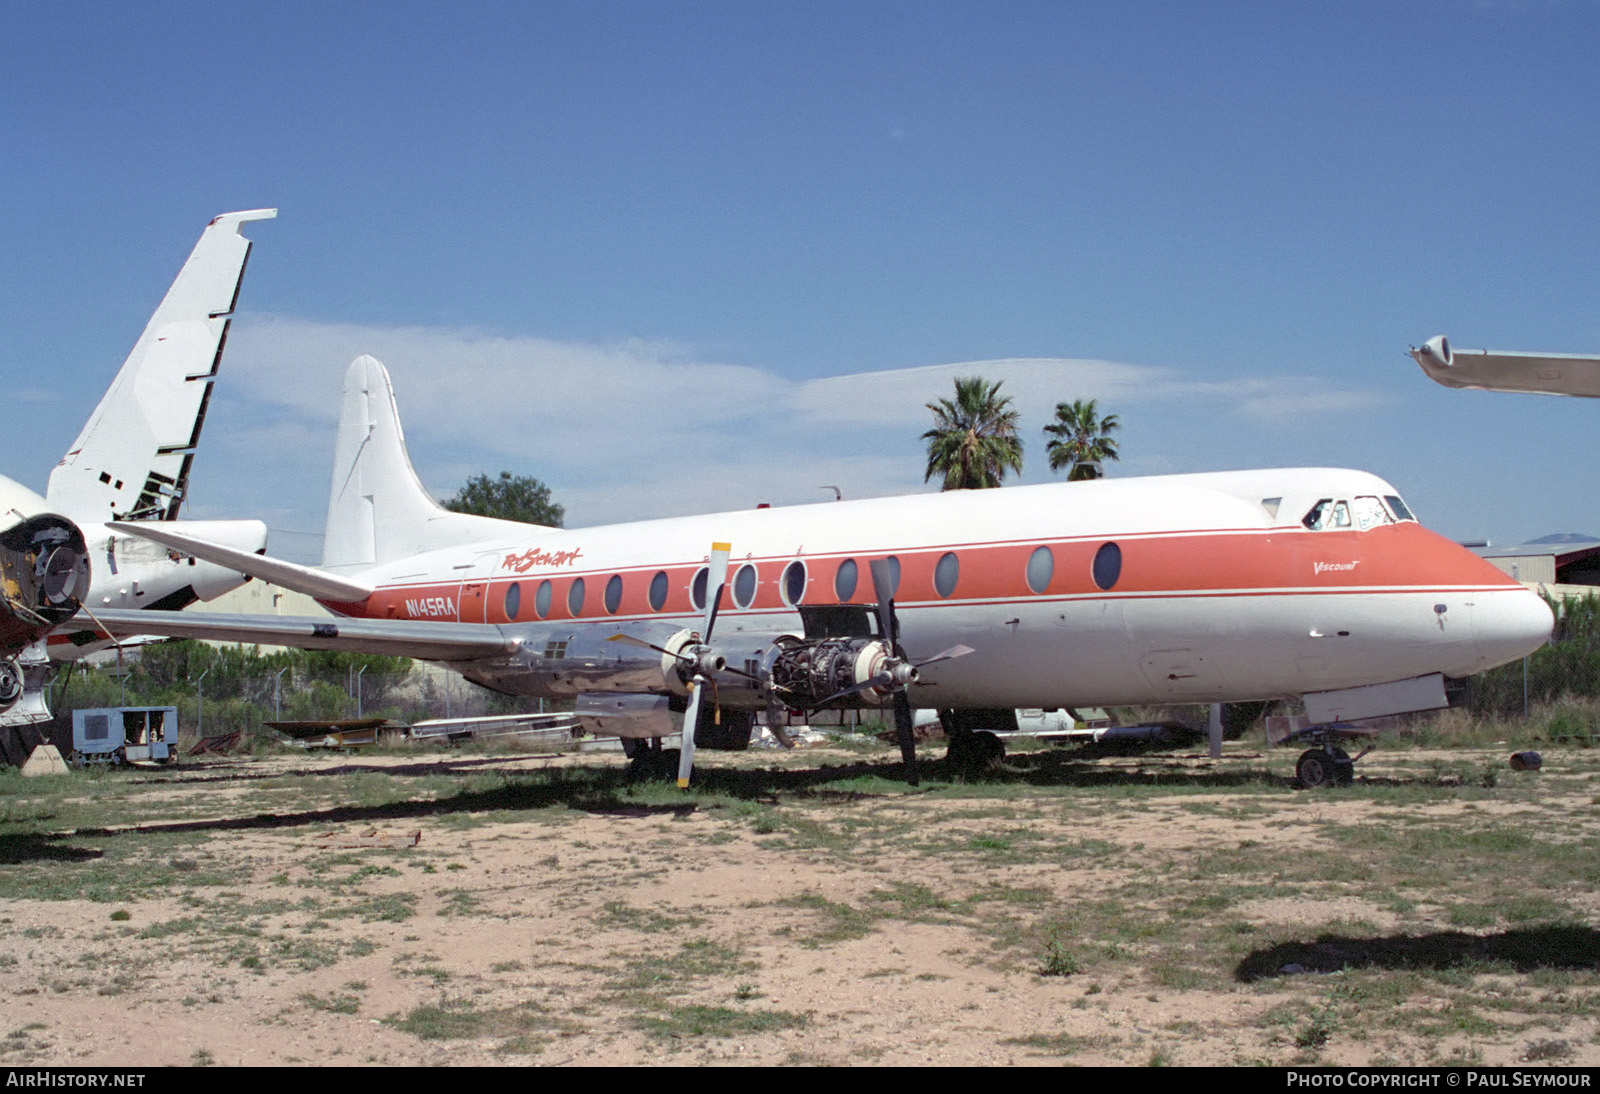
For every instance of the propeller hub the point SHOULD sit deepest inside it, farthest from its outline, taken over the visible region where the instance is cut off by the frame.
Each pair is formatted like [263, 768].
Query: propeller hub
[902, 673]
[705, 660]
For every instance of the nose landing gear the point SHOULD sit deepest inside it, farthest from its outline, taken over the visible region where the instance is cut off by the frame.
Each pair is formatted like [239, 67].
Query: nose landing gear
[1328, 765]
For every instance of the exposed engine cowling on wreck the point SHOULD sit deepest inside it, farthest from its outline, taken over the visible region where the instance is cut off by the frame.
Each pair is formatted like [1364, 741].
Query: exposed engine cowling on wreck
[44, 573]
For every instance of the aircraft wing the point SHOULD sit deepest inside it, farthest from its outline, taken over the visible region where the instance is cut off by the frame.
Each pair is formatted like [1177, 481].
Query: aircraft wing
[1488, 370]
[291, 575]
[394, 637]
[132, 458]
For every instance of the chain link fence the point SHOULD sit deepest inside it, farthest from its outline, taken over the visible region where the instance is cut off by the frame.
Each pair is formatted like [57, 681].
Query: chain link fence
[221, 691]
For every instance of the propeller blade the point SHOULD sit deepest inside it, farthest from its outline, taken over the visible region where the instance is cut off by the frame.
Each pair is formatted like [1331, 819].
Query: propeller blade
[876, 681]
[775, 711]
[716, 578]
[691, 721]
[777, 729]
[947, 655]
[904, 729]
[630, 640]
[883, 589]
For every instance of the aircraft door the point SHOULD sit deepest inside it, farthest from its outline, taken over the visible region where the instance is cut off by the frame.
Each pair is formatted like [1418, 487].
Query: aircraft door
[470, 601]
[472, 597]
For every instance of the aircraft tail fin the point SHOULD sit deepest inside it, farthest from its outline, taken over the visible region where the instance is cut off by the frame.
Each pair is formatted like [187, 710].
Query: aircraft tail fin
[378, 510]
[133, 457]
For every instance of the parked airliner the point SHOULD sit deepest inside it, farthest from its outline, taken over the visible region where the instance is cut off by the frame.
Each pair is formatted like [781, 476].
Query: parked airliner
[1231, 586]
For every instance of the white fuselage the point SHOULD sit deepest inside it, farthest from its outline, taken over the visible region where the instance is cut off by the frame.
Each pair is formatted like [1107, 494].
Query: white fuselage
[1175, 588]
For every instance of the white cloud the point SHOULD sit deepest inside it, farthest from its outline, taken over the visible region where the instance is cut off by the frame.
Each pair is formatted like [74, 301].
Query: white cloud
[638, 429]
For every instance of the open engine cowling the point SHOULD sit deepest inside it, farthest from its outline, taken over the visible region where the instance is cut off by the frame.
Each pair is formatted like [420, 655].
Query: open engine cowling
[805, 673]
[44, 568]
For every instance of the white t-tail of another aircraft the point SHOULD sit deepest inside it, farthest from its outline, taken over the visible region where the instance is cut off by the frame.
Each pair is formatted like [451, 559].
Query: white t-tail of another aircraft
[130, 462]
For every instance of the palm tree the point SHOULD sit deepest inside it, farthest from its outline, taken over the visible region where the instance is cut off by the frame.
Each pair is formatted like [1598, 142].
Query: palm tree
[1082, 439]
[973, 442]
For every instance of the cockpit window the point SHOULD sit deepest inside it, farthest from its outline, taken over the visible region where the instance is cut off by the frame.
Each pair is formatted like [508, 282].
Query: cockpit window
[1328, 514]
[1361, 513]
[1398, 508]
[1370, 512]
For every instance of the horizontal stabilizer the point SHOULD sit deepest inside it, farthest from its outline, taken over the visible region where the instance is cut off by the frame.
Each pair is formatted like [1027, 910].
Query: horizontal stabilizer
[391, 637]
[290, 575]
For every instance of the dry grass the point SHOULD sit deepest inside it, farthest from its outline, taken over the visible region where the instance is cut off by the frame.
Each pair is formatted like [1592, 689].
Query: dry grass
[806, 908]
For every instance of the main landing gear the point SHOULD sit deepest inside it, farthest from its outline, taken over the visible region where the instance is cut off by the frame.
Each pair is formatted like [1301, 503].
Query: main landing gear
[974, 746]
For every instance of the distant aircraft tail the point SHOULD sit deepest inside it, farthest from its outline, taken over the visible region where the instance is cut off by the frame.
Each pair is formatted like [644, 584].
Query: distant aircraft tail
[377, 508]
[132, 459]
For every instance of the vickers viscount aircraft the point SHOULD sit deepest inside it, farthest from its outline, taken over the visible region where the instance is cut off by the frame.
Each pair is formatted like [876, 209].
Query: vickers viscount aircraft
[1492, 370]
[131, 462]
[1233, 586]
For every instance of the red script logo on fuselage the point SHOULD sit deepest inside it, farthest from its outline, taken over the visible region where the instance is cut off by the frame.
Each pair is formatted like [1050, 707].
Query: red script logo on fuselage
[532, 557]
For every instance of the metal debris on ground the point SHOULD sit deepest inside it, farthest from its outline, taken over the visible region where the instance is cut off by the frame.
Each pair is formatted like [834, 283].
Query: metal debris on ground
[369, 837]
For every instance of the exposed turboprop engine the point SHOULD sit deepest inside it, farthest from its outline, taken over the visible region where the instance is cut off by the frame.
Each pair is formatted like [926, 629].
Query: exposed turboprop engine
[1437, 350]
[809, 674]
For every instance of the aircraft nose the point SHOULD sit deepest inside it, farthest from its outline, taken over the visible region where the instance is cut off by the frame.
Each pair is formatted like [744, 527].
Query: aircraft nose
[1510, 625]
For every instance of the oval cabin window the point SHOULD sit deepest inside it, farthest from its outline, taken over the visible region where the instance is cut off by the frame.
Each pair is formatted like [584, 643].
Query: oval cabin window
[744, 586]
[794, 582]
[844, 580]
[1107, 565]
[1041, 568]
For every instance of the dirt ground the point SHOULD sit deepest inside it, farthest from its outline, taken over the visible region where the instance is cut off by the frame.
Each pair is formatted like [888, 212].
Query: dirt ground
[827, 922]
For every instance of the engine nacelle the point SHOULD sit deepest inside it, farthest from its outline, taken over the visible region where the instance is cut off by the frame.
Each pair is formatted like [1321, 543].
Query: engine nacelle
[559, 660]
[44, 568]
[1437, 350]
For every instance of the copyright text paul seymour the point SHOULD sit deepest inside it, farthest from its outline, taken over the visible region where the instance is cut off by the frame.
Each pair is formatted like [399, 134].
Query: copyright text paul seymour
[1467, 1079]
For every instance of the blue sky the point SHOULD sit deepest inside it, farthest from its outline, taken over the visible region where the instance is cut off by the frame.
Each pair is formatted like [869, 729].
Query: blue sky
[675, 257]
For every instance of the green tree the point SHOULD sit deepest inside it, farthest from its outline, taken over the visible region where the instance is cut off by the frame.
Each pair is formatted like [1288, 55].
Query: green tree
[510, 497]
[1082, 439]
[973, 442]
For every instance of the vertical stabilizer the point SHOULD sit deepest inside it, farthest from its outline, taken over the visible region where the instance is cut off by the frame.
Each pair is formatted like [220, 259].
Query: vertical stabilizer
[378, 510]
[131, 462]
